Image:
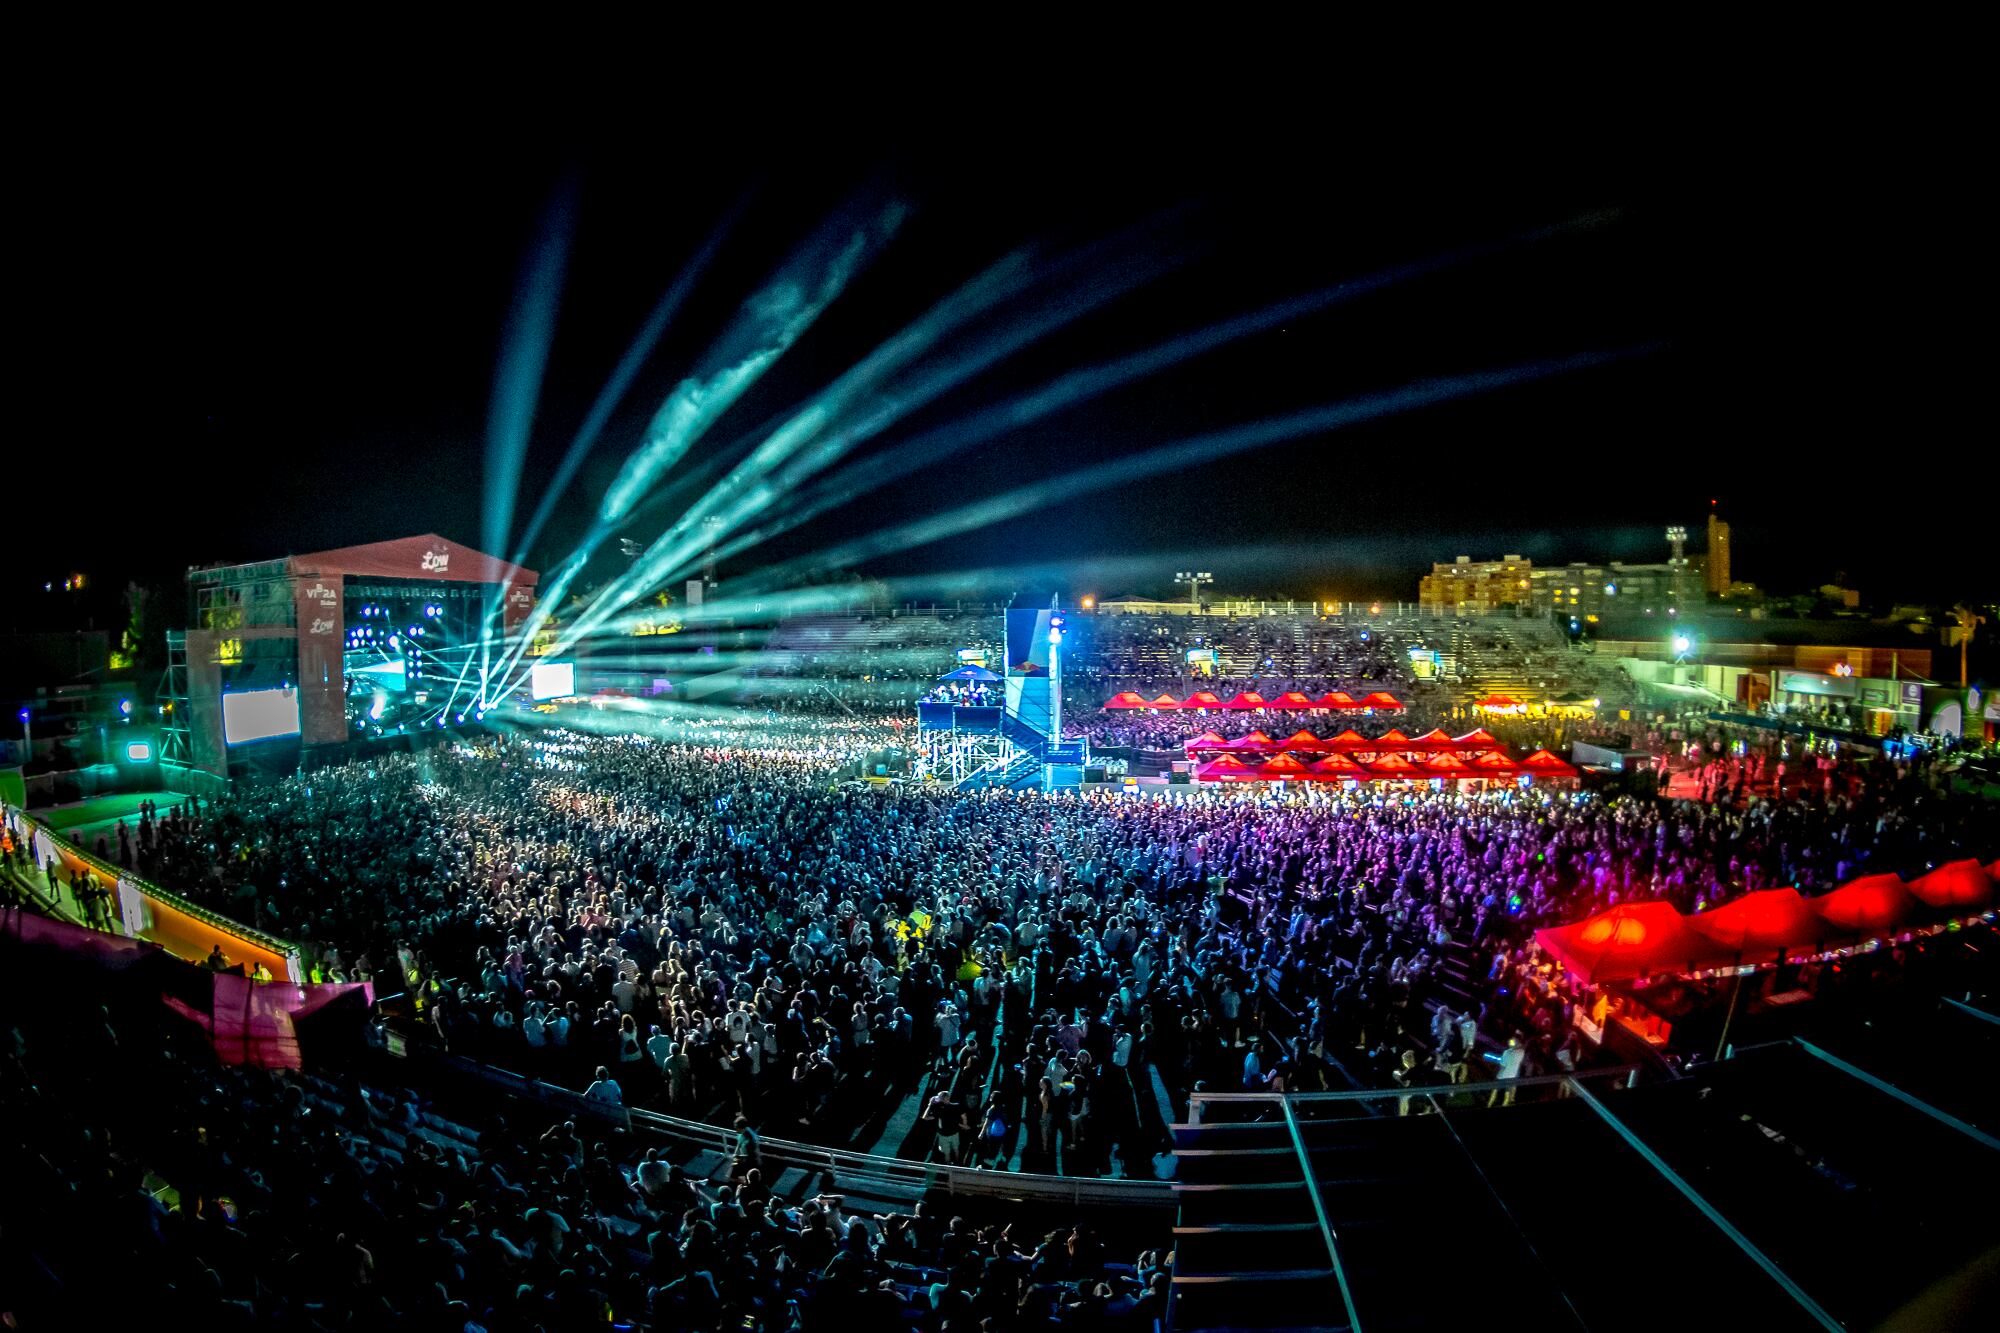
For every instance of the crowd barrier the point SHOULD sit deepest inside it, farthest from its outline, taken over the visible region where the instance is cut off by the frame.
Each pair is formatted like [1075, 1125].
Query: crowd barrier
[144, 911]
[896, 1175]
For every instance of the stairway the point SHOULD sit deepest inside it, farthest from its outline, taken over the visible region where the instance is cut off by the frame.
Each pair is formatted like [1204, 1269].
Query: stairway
[1248, 1250]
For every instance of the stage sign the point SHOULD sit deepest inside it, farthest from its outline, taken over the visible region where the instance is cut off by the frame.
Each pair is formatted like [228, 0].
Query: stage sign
[322, 637]
[972, 657]
[259, 715]
[551, 680]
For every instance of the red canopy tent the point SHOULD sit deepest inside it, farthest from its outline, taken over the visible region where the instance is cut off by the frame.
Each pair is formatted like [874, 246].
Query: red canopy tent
[1393, 766]
[1202, 699]
[1165, 701]
[1302, 740]
[1285, 766]
[1227, 769]
[1246, 699]
[1494, 764]
[1478, 738]
[1449, 766]
[1632, 940]
[1392, 739]
[1766, 923]
[1338, 766]
[1290, 699]
[1348, 740]
[1335, 699]
[1955, 885]
[1383, 700]
[1208, 740]
[1434, 739]
[1127, 699]
[1871, 903]
[1544, 764]
[1256, 742]
[1500, 703]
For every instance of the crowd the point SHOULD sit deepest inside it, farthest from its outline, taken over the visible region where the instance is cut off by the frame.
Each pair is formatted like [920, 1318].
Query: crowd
[724, 932]
[147, 1186]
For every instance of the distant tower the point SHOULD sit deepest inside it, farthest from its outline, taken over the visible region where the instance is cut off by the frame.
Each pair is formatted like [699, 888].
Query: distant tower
[1677, 538]
[1718, 555]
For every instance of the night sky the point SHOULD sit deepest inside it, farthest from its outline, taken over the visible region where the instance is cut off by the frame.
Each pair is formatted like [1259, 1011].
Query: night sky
[253, 334]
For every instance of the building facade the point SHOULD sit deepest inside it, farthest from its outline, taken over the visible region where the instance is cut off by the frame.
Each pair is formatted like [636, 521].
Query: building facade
[1476, 587]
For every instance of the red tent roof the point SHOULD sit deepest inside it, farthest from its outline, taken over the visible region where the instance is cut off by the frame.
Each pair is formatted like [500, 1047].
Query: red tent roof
[1759, 923]
[1955, 884]
[1291, 699]
[1285, 763]
[1478, 736]
[428, 558]
[1228, 769]
[1166, 701]
[1391, 738]
[1207, 740]
[1448, 764]
[1541, 761]
[1495, 761]
[1127, 699]
[1302, 740]
[1633, 940]
[1392, 763]
[1434, 739]
[1339, 765]
[1381, 699]
[1498, 701]
[1335, 699]
[1871, 903]
[1246, 699]
[1348, 740]
[1202, 699]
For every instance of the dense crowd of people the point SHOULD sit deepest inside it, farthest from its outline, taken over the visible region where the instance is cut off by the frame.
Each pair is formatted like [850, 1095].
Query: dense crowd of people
[721, 932]
[147, 1184]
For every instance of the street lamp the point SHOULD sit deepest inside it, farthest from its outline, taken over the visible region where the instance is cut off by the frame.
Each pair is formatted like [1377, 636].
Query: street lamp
[1194, 580]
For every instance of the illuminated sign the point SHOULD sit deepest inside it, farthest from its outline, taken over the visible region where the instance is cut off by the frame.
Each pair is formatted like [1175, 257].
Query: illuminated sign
[139, 752]
[972, 657]
[551, 680]
[259, 715]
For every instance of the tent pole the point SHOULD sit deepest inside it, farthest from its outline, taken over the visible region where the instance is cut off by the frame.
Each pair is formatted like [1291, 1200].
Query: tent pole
[1735, 997]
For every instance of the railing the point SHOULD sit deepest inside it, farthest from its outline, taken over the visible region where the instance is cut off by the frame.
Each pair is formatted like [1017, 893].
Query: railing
[1303, 1104]
[275, 954]
[895, 1173]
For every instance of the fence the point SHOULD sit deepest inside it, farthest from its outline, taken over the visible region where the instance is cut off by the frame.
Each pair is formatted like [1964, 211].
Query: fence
[896, 1176]
[145, 911]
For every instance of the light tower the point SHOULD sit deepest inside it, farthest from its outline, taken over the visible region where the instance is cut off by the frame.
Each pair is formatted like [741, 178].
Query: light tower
[1055, 677]
[1677, 537]
[1195, 579]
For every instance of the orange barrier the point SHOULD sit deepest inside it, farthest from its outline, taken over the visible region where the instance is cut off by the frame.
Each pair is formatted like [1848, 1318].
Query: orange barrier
[146, 912]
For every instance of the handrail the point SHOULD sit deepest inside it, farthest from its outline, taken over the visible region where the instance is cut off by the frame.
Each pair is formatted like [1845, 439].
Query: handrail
[1972, 1132]
[152, 890]
[163, 895]
[1369, 1094]
[1325, 1223]
[1534, 1252]
[923, 1175]
[1709, 1210]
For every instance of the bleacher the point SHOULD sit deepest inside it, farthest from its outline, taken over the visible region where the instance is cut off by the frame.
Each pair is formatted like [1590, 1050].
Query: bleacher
[1773, 1191]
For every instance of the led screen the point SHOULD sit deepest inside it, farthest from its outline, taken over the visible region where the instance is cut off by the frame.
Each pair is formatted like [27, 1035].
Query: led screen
[552, 680]
[258, 715]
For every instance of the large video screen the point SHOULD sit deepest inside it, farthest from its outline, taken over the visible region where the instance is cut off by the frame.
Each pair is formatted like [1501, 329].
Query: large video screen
[551, 680]
[259, 715]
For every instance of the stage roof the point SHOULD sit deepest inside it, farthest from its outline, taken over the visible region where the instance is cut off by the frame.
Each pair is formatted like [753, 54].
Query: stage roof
[425, 557]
